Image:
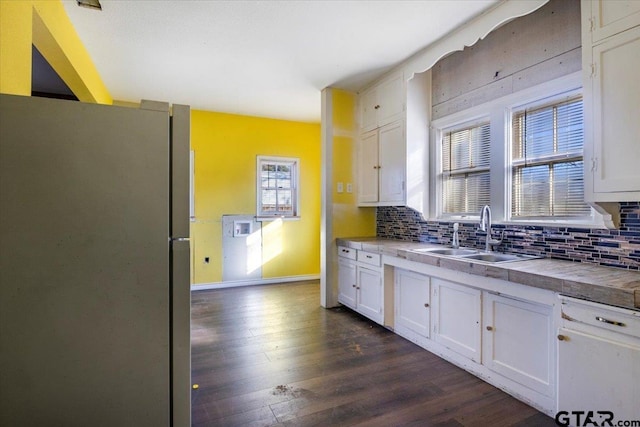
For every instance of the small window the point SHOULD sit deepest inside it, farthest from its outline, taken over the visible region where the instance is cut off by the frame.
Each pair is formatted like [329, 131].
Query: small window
[465, 170]
[546, 162]
[278, 188]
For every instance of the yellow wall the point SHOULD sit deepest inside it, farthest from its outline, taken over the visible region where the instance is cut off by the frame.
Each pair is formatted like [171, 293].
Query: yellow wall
[45, 24]
[348, 219]
[226, 147]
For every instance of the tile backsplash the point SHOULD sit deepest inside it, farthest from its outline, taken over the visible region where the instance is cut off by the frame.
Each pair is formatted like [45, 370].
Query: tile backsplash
[614, 248]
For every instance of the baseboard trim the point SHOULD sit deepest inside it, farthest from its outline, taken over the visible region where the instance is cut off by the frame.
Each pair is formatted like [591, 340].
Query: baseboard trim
[238, 283]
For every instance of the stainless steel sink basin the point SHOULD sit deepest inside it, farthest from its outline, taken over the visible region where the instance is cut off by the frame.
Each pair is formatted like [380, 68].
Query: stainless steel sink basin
[450, 251]
[494, 257]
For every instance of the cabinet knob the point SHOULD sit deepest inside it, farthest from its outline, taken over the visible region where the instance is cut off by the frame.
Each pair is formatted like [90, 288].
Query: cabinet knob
[376, 107]
[426, 305]
[353, 286]
[489, 328]
[562, 337]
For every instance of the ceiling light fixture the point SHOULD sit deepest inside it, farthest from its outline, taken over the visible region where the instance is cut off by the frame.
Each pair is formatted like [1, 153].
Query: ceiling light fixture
[92, 4]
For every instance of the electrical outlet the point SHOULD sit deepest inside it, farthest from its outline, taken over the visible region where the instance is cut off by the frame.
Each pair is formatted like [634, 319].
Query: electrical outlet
[349, 187]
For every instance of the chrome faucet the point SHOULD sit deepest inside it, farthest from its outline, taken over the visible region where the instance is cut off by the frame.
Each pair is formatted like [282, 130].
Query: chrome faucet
[455, 242]
[485, 225]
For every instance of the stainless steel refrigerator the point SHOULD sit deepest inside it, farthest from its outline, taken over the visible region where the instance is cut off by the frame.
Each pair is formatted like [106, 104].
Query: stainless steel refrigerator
[94, 264]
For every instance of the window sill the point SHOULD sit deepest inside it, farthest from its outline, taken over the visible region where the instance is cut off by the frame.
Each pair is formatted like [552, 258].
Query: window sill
[275, 218]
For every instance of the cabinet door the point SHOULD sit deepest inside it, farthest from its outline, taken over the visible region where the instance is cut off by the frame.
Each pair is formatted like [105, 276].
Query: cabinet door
[612, 17]
[369, 110]
[368, 168]
[518, 341]
[390, 100]
[598, 374]
[412, 293]
[347, 282]
[616, 90]
[391, 162]
[456, 317]
[369, 302]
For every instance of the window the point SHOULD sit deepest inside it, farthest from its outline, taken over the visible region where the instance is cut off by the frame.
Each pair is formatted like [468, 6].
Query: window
[465, 170]
[278, 188]
[521, 154]
[546, 161]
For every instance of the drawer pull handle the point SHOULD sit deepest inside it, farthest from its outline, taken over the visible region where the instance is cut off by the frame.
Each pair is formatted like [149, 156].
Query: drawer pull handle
[369, 256]
[489, 328]
[610, 322]
[562, 337]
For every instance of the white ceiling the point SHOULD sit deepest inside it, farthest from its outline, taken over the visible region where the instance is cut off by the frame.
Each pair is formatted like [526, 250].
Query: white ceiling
[258, 58]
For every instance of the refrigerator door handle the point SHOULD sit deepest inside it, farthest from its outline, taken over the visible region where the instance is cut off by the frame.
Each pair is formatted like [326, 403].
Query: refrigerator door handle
[178, 239]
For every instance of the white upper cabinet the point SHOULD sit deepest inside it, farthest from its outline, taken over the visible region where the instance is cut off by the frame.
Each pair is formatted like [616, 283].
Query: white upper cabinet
[383, 103]
[611, 60]
[381, 168]
[612, 17]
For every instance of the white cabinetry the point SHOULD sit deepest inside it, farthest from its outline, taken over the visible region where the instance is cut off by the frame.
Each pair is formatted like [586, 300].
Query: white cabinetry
[382, 166]
[360, 284]
[611, 60]
[412, 304]
[517, 341]
[599, 359]
[383, 103]
[456, 317]
[347, 282]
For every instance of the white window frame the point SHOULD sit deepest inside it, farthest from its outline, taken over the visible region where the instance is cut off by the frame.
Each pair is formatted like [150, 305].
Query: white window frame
[499, 111]
[295, 194]
[440, 133]
[556, 99]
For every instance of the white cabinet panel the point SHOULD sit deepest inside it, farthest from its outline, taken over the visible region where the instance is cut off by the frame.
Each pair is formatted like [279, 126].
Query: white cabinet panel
[382, 166]
[412, 296]
[383, 103]
[611, 17]
[391, 163]
[456, 317]
[616, 128]
[370, 293]
[610, 60]
[598, 374]
[360, 285]
[517, 341]
[347, 282]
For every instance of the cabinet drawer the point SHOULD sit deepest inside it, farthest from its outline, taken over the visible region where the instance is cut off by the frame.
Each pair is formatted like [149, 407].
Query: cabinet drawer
[369, 258]
[620, 320]
[346, 252]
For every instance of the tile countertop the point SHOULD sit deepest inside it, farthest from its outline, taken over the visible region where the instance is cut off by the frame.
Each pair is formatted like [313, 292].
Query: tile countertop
[606, 285]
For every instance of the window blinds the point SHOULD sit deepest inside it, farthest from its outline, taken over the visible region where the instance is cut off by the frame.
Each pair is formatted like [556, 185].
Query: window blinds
[547, 166]
[465, 170]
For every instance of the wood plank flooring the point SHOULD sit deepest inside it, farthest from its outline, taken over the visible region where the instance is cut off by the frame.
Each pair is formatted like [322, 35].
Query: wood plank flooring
[271, 356]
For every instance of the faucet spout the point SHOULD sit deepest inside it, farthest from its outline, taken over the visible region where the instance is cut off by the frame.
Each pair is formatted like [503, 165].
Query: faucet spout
[485, 225]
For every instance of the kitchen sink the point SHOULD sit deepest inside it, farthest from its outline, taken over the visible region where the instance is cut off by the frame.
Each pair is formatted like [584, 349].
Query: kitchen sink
[449, 251]
[495, 257]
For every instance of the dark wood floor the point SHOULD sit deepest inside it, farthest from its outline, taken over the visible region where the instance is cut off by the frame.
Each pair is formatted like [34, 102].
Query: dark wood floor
[270, 355]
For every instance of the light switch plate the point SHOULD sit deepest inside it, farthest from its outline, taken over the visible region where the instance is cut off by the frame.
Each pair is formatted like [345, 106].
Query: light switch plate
[349, 187]
[340, 187]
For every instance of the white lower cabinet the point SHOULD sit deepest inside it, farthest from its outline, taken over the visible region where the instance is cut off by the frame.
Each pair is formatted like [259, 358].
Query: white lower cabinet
[599, 361]
[370, 293]
[347, 282]
[518, 341]
[360, 285]
[412, 304]
[456, 317]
